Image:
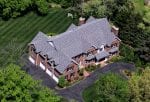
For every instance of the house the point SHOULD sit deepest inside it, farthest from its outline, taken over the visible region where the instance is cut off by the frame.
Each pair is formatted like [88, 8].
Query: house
[80, 46]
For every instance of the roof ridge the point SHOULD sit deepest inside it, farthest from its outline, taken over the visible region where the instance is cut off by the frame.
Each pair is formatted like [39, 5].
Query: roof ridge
[78, 27]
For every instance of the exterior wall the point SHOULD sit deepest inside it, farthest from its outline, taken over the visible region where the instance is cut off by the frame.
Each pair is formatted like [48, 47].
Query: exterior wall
[53, 70]
[80, 59]
[91, 62]
[57, 73]
[92, 50]
[32, 52]
[107, 48]
[43, 60]
[115, 43]
[71, 73]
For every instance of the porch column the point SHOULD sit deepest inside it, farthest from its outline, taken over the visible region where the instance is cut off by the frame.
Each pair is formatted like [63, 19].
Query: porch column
[118, 45]
[76, 71]
[68, 76]
[53, 69]
[46, 65]
[30, 50]
[37, 59]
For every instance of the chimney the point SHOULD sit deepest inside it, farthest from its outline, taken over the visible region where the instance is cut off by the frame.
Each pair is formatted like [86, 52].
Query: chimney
[81, 21]
[115, 30]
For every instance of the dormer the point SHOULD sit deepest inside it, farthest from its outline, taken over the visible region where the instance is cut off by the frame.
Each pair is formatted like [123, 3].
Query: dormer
[51, 43]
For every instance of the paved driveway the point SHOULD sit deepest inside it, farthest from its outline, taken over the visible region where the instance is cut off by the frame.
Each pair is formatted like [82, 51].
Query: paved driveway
[75, 91]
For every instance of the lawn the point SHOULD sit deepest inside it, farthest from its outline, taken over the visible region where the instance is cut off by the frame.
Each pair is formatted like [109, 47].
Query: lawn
[139, 5]
[17, 33]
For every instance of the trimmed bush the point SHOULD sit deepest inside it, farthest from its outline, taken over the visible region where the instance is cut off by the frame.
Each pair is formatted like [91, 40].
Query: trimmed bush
[62, 82]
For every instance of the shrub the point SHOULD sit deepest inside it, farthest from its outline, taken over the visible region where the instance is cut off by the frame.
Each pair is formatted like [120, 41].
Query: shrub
[16, 8]
[98, 66]
[81, 72]
[62, 82]
[90, 68]
[116, 58]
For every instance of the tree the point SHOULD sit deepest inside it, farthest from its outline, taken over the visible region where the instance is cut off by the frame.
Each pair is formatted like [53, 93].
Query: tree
[139, 87]
[111, 88]
[17, 86]
[42, 6]
[94, 8]
[146, 17]
[15, 8]
[144, 50]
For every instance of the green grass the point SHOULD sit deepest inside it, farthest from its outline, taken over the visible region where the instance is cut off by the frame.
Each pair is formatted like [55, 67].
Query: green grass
[89, 94]
[139, 5]
[23, 29]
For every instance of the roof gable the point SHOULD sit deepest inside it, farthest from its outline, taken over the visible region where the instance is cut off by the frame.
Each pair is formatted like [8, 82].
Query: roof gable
[90, 19]
[71, 27]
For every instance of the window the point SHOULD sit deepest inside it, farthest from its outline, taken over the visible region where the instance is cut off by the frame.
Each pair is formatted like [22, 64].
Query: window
[72, 74]
[114, 45]
[70, 69]
[32, 49]
[102, 48]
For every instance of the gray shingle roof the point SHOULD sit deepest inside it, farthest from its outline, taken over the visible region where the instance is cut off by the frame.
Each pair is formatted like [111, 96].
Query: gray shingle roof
[41, 43]
[115, 49]
[71, 27]
[90, 19]
[90, 57]
[39, 40]
[74, 41]
[95, 33]
[101, 55]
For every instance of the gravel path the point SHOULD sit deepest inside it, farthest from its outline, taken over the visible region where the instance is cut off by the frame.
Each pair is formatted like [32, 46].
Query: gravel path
[75, 91]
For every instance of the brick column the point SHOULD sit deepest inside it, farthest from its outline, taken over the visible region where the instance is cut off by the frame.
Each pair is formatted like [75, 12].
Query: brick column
[76, 71]
[53, 70]
[37, 61]
[118, 45]
[30, 50]
[46, 65]
[68, 76]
